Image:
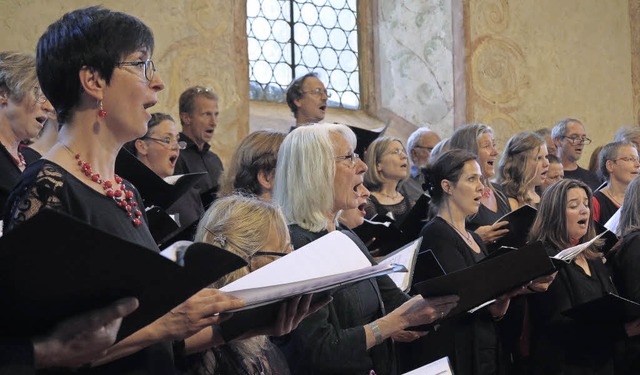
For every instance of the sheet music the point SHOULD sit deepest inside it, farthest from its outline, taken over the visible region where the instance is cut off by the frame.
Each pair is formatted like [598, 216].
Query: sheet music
[612, 224]
[440, 367]
[405, 257]
[569, 254]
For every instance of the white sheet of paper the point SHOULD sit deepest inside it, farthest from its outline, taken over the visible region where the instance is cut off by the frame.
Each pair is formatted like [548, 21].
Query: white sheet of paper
[570, 253]
[332, 254]
[404, 258]
[613, 222]
[440, 367]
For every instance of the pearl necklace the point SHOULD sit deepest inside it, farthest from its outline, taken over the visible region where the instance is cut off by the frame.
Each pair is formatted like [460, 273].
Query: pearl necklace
[122, 197]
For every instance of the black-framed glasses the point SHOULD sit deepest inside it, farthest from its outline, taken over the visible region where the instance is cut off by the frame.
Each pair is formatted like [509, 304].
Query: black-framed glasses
[351, 157]
[169, 141]
[149, 67]
[577, 140]
[318, 92]
[429, 149]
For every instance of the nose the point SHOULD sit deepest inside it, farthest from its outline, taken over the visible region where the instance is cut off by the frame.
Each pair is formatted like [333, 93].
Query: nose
[47, 107]
[156, 84]
[361, 167]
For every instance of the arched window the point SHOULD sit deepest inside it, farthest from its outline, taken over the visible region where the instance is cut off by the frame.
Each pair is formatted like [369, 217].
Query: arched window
[289, 38]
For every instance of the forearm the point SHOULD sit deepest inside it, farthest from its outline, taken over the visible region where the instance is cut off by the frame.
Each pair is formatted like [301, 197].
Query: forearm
[145, 337]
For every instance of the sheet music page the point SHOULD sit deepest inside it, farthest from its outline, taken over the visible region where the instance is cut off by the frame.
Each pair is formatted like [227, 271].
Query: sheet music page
[613, 222]
[405, 258]
[329, 255]
[440, 367]
[570, 253]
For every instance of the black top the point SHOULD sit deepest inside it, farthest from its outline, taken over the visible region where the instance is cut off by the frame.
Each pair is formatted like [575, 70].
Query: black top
[471, 340]
[584, 175]
[16, 358]
[560, 345]
[332, 341]
[47, 185]
[192, 160]
[399, 210]
[486, 216]
[30, 155]
[10, 175]
[607, 208]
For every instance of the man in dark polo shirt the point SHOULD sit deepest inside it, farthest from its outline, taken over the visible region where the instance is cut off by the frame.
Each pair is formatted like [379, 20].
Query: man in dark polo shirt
[199, 118]
[570, 137]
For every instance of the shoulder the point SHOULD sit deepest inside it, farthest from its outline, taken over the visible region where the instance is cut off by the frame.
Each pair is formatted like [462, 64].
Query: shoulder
[301, 236]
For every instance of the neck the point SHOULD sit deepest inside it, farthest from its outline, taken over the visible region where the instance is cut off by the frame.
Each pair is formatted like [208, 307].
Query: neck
[453, 216]
[388, 188]
[187, 132]
[331, 221]
[8, 138]
[616, 188]
[47, 138]
[568, 164]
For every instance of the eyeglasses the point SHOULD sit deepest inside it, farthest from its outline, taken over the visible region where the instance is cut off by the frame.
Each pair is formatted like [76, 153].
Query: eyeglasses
[263, 254]
[429, 149]
[628, 159]
[397, 151]
[351, 157]
[40, 98]
[578, 140]
[170, 141]
[318, 92]
[149, 67]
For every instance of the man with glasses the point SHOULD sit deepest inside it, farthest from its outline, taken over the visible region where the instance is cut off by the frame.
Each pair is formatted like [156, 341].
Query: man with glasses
[307, 98]
[419, 145]
[570, 137]
[199, 118]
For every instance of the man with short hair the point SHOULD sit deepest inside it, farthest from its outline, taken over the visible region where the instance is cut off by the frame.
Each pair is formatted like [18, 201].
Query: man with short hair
[307, 98]
[569, 136]
[419, 146]
[199, 117]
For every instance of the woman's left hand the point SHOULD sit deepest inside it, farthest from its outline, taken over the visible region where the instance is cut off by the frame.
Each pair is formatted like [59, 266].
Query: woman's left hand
[407, 336]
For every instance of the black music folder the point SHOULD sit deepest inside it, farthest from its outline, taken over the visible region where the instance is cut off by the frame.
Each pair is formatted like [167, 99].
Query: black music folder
[606, 309]
[48, 275]
[609, 238]
[155, 190]
[487, 280]
[520, 222]
[416, 219]
[381, 235]
[365, 137]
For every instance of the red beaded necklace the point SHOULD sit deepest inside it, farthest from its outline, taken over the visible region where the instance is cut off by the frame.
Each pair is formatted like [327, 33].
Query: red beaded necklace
[122, 197]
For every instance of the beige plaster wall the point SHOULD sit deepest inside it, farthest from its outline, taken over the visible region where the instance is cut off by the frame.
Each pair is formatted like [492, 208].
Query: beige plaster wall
[197, 42]
[533, 62]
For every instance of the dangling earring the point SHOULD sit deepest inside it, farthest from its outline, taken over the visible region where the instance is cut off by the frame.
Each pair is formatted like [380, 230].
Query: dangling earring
[101, 113]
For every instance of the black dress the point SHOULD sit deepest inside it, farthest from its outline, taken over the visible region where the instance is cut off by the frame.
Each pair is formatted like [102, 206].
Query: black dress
[560, 345]
[45, 184]
[607, 207]
[471, 340]
[486, 216]
[10, 174]
[625, 265]
[332, 341]
[399, 210]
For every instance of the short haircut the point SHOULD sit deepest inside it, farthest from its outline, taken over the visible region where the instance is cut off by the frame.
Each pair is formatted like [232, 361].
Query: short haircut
[550, 225]
[543, 132]
[447, 166]
[414, 138]
[17, 74]
[241, 225]
[560, 128]
[610, 151]
[376, 150]
[466, 137]
[305, 174]
[294, 91]
[95, 38]
[627, 133]
[186, 103]
[257, 152]
[441, 147]
[630, 210]
[512, 173]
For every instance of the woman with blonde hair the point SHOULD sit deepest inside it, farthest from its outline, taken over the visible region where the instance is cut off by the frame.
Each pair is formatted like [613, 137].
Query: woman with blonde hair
[317, 176]
[560, 345]
[253, 165]
[256, 231]
[387, 166]
[523, 166]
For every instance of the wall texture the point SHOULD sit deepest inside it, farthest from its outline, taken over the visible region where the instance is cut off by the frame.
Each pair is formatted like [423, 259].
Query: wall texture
[197, 42]
[533, 62]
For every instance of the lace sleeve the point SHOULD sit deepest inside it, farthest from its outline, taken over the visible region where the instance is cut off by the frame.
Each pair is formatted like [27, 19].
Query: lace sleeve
[33, 194]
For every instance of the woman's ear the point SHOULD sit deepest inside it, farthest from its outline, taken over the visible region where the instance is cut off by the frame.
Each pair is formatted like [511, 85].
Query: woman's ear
[446, 186]
[4, 97]
[609, 165]
[141, 147]
[92, 82]
[266, 179]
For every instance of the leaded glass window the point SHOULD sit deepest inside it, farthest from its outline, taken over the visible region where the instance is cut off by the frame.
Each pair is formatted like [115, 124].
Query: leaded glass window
[289, 38]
